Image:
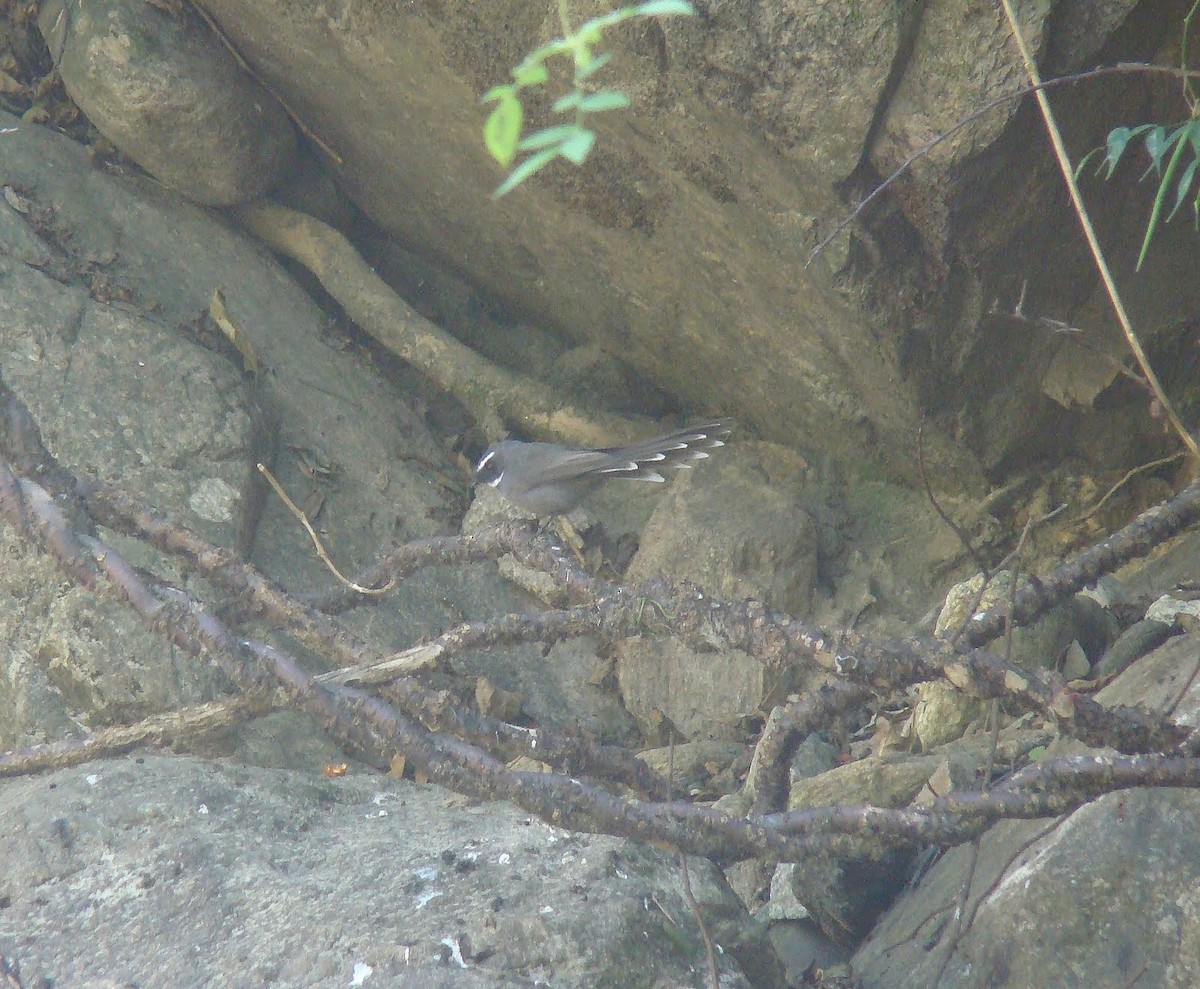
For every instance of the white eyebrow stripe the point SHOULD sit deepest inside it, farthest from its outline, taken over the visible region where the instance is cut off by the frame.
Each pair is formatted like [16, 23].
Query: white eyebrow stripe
[484, 461]
[493, 483]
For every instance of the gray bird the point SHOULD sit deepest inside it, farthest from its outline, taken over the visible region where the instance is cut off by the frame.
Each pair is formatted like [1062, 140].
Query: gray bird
[548, 479]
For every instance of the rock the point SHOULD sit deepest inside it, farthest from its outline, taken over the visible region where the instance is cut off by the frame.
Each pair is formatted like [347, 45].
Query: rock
[942, 714]
[734, 526]
[104, 340]
[134, 870]
[1125, 865]
[1135, 642]
[1041, 644]
[699, 769]
[680, 247]
[703, 694]
[169, 93]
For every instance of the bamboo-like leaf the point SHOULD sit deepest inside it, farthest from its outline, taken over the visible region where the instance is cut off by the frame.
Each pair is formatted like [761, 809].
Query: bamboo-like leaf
[1183, 188]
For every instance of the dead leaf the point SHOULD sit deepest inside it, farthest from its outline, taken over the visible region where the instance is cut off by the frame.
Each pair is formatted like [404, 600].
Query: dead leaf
[236, 336]
[16, 200]
[496, 702]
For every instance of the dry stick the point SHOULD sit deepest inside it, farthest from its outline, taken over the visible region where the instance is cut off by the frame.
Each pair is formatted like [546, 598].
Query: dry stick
[216, 29]
[1110, 286]
[485, 389]
[302, 518]
[374, 727]
[714, 977]
[356, 719]
[786, 728]
[523, 540]
[774, 639]
[158, 730]
[1082, 569]
[122, 513]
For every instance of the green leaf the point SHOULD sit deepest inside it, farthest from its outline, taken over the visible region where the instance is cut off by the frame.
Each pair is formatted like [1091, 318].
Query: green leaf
[530, 74]
[1083, 162]
[568, 102]
[1118, 140]
[503, 128]
[497, 93]
[664, 8]
[583, 56]
[1156, 144]
[606, 99]
[1159, 196]
[1183, 188]
[594, 66]
[524, 170]
[593, 29]
[1159, 141]
[547, 51]
[576, 147]
[546, 137]
[592, 33]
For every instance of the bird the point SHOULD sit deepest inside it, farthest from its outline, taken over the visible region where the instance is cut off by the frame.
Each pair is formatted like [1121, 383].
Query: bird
[547, 479]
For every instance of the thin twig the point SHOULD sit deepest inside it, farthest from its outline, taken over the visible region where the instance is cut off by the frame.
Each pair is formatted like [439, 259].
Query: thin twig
[714, 978]
[1129, 475]
[316, 540]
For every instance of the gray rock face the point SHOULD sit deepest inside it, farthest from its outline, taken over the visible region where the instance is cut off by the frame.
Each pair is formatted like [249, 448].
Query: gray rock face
[1107, 895]
[132, 392]
[167, 92]
[182, 873]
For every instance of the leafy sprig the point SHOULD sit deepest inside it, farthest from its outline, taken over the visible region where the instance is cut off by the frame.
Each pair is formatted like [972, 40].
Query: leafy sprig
[1182, 141]
[574, 140]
